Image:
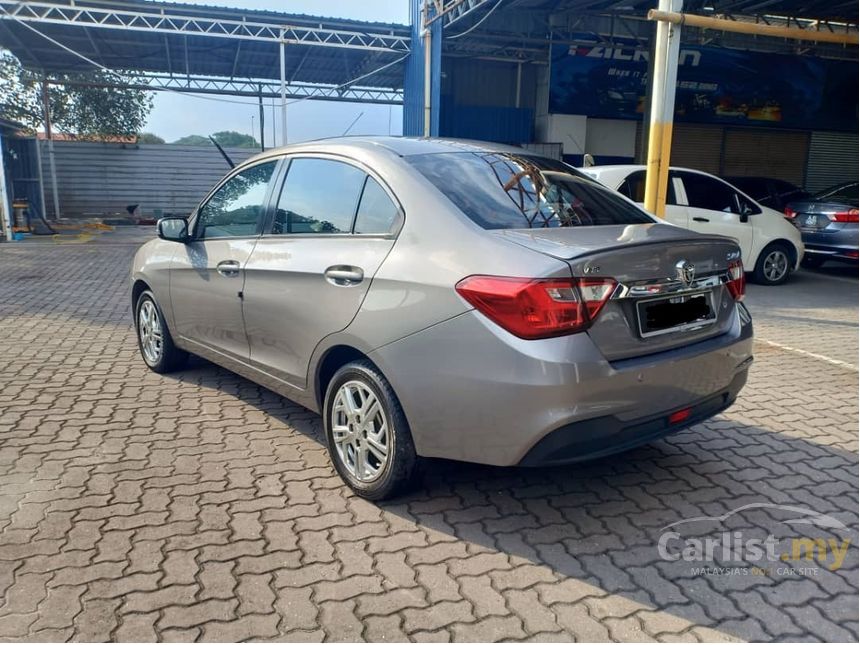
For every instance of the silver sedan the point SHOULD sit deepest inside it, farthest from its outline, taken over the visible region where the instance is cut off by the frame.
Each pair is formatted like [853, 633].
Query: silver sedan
[451, 299]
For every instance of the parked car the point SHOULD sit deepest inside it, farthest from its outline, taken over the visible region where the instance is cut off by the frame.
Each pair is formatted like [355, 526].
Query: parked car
[446, 299]
[771, 247]
[773, 193]
[828, 224]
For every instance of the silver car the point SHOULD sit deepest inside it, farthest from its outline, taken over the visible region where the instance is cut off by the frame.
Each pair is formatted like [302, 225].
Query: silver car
[452, 299]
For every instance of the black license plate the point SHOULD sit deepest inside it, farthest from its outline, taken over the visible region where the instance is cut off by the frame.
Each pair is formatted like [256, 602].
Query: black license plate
[666, 314]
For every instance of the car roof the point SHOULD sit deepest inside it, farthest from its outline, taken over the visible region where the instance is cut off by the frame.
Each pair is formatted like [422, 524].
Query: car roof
[400, 146]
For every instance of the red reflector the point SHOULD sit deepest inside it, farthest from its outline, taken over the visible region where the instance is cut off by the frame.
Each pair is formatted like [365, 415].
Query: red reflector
[852, 254]
[537, 308]
[848, 217]
[680, 415]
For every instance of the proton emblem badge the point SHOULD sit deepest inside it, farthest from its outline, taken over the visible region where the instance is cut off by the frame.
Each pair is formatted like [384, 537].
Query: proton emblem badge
[686, 272]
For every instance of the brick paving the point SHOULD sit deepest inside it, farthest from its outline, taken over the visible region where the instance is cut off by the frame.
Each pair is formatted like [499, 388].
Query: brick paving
[200, 506]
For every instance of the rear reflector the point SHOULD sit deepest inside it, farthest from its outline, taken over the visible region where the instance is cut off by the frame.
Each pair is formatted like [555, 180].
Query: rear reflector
[848, 217]
[680, 415]
[537, 308]
[737, 282]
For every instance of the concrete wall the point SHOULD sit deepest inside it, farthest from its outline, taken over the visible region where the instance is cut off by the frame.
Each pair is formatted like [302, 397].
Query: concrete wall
[101, 179]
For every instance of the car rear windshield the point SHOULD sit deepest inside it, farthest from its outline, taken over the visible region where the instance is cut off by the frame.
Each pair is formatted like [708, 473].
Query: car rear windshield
[510, 190]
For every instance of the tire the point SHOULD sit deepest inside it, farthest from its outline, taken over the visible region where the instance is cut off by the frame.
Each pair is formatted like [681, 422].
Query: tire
[153, 337]
[812, 261]
[774, 264]
[356, 452]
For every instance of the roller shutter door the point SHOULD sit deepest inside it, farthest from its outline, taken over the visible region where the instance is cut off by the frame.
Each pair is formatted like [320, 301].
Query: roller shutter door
[693, 146]
[756, 152]
[832, 160]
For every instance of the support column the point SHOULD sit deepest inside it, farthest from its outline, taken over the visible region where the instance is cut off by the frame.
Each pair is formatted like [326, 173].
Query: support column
[283, 50]
[663, 81]
[262, 118]
[52, 163]
[5, 198]
[428, 68]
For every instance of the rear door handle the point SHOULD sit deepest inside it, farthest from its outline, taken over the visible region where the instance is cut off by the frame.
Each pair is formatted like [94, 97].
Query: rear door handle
[344, 276]
[701, 219]
[228, 268]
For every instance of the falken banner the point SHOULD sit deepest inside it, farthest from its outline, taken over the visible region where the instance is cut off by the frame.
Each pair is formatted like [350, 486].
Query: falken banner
[715, 85]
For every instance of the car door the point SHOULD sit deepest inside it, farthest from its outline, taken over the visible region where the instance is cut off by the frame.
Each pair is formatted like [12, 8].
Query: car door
[714, 207]
[633, 187]
[207, 273]
[309, 273]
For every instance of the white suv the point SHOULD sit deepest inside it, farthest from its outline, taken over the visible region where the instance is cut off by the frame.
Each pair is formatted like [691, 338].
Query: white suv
[771, 247]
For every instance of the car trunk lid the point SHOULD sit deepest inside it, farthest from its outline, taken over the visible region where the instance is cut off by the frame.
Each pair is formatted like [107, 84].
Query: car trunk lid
[653, 309]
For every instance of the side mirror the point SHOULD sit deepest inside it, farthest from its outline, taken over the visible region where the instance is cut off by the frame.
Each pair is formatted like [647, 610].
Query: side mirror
[745, 216]
[173, 229]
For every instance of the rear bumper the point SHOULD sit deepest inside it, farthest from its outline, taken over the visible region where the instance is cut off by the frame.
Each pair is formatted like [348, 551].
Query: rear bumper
[838, 244]
[473, 392]
[608, 435]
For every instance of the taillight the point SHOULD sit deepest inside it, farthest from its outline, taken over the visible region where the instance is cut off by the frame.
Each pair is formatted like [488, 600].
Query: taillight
[537, 308]
[737, 282]
[848, 217]
[790, 214]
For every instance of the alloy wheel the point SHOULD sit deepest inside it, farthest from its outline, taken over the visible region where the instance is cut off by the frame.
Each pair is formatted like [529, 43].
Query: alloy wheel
[360, 430]
[775, 265]
[149, 330]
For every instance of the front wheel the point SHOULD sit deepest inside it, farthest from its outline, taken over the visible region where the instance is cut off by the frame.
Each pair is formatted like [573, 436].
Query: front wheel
[153, 337]
[774, 265]
[368, 437]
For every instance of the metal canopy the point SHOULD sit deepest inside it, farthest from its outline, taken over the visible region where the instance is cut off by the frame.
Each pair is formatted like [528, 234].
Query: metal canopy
[519, 30]
[209, 49]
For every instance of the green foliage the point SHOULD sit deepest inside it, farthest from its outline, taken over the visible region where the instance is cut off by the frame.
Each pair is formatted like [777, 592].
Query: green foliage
[227, 138]
[148, 137]
[79, 106]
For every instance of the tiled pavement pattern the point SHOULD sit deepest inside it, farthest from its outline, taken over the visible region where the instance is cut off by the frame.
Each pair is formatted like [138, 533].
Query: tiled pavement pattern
[200, 506]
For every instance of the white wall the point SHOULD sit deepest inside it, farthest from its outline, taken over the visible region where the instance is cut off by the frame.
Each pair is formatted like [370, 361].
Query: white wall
[579, 134]
[566, 129]
[611, 137]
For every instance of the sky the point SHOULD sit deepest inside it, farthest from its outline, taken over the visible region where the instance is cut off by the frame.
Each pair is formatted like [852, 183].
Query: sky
[174, 115]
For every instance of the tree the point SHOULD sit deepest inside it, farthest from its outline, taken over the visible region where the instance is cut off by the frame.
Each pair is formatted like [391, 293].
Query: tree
[227, 138]
[80, 104]
[148, 137]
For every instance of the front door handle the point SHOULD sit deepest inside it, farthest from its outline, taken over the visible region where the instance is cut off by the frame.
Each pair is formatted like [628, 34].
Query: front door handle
[228, 268]
[701, 219]
[344, 276]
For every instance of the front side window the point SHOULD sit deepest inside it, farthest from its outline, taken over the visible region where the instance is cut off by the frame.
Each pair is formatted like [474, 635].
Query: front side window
[710, 194]
[377, 214]
[236, 207]
[319, 196]
[500, 190]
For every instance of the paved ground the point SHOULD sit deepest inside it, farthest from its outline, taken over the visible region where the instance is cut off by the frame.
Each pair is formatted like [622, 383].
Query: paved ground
[200, 506]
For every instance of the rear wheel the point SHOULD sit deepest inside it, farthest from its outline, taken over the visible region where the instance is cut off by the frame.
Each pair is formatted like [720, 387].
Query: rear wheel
[774, 264]
[153, 337]
[368, 437]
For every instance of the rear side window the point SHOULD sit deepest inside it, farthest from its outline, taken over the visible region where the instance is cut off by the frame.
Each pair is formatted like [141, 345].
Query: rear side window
[509, 190]
[235, 208]
[377, 214]
[319, 196]
[634, 188]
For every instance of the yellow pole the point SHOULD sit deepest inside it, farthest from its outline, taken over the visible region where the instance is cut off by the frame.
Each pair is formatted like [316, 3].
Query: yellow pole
[758, 29]
[666, 48]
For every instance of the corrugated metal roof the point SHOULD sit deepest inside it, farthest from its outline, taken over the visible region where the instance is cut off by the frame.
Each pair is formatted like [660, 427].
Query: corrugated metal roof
[120, 48]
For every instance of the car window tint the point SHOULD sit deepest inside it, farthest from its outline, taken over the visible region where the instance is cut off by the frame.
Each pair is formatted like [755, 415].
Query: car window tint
[319, 196]
[847, 192]
[236, 207]
[376, 212]
[499, 190]
[634, 188]
[705, 192]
